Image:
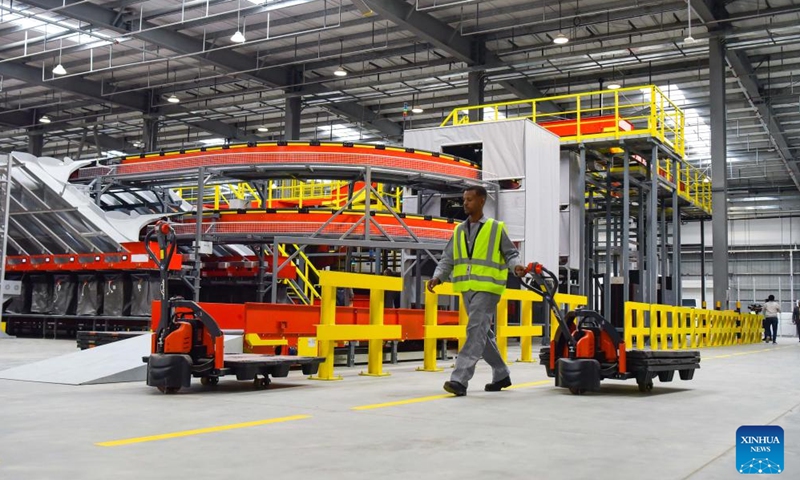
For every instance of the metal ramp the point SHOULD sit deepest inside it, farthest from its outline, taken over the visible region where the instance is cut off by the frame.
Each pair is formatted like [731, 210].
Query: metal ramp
[116, 362]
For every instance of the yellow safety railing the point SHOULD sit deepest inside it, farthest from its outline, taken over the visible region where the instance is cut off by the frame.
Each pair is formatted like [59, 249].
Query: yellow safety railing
[595, 115]
[219, 194]
[303, 193]
[692, 184]
[309, 290]
[668, 327]
[328, 332]
[525, 331]
[434, 332]
[604, 115]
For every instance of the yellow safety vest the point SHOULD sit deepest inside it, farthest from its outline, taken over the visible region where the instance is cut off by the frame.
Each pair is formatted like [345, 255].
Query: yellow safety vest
[483, 269]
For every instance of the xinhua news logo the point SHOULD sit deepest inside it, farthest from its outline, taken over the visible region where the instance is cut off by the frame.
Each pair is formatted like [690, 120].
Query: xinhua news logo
[759, 449]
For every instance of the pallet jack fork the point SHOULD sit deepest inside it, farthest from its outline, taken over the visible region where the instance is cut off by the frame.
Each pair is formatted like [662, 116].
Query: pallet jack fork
[585, 352]
[189, 343]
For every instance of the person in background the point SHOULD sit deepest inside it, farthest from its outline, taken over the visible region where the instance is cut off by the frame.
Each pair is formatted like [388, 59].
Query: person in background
[479, 255]
[771, 311]
[796, 316]
[391, 298]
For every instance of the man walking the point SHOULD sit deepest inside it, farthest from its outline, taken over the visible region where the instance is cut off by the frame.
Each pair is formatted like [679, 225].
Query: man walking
[479, 255]
[771, 311]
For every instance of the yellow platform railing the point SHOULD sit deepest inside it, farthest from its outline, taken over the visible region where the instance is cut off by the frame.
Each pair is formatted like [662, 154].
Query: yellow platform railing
[603, 115]
[303, 193]
[309, 290]
[692, 184]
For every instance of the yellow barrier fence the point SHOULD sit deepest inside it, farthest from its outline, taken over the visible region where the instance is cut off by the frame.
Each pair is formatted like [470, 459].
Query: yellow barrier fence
[328, 333]
[435, 332]
[525, 331]
[666, 327]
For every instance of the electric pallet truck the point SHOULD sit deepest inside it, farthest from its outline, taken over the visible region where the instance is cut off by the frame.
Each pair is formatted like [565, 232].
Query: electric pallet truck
[585, 352]
[189, 343]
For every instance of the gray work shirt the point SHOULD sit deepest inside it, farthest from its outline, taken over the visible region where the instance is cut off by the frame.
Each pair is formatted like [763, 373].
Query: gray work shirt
[507, 248]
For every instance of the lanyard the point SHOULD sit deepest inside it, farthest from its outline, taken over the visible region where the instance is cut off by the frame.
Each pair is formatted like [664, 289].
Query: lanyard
[471, 245]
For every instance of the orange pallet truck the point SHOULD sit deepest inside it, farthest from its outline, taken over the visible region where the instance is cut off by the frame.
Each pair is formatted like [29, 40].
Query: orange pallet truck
[586, 351]
[189, 343]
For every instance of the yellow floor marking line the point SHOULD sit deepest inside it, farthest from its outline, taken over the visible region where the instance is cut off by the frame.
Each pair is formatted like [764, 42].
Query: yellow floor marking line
[747, 353]
[530, 384]
[430, 398]
[402, 402]
[199, 431]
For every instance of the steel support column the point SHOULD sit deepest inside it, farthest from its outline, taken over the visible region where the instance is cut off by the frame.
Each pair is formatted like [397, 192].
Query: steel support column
[607, 269]
[35, 142]
[150, 133]
[676, 240]
[293, 110]
[475, 94]
[198, 236]
[625, 226]
[652, 230]
[664, 254]
[703, 263]
[719, 178]
[585, 253]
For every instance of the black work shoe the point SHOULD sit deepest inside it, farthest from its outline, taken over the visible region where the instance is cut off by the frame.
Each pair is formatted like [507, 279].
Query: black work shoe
[455, 388]
[498, 385]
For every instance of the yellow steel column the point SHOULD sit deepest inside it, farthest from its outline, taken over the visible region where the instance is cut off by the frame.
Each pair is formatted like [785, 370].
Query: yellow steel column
[327, 317]
[502, 323]
[429, 343]
[526, 343]
[376, 305]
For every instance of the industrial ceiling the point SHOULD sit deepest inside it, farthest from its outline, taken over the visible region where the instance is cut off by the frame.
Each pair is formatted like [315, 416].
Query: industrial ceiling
[201, 72]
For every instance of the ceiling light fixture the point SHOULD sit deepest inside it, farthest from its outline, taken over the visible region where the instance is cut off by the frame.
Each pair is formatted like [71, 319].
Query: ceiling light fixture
[238, 37]
[59, 70]
[173, 99]
[263, 129]
[417, 109]
[690, 38]
[560, 39]
[614, 86]
[340, 72]
[44, 119]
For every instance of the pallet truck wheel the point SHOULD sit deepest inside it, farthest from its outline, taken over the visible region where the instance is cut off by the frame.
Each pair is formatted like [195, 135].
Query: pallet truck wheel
[169, 390]
[260, 382]
[577, 391]
[646, 387]
[209, 381]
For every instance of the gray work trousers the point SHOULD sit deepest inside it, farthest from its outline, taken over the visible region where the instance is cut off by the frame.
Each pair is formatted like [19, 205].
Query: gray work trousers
[481, 307]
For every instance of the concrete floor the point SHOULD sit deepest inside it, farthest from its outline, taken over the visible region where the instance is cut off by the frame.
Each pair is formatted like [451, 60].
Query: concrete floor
[681, 430]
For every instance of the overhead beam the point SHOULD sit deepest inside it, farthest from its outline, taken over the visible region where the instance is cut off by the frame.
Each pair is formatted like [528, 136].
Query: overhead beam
[227, 59]
[445, 38]
[130, 100]
[712, 12]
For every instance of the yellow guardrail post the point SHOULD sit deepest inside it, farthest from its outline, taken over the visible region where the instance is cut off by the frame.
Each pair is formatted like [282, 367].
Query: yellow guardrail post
[376, 332]
[434, 331]
[683, 328]
[660, 316]
[525, 331]
[634, 327]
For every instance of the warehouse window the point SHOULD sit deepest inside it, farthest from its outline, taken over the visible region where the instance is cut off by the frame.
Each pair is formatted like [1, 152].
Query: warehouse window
[468, 151]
